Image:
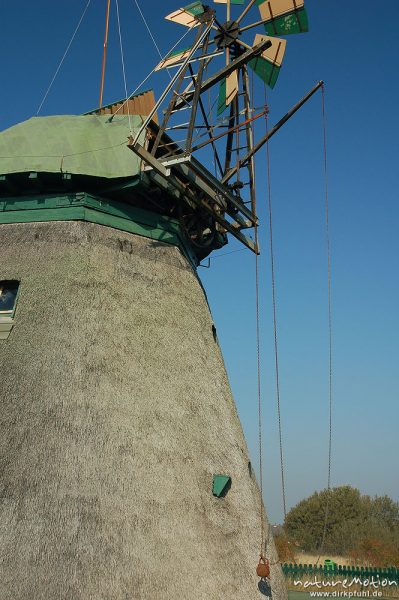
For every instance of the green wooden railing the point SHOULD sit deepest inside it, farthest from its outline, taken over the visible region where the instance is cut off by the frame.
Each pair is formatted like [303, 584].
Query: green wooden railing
[299, 570]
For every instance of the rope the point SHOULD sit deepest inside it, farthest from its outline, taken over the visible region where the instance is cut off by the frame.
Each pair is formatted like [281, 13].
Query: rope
[123, 63]
[151, 72]
[259, 378]
[328, 244]
[148, 28]
[64, 56]
[276, 361]
[149, 31]
[260, 440]
[227, 253]
[100, 102]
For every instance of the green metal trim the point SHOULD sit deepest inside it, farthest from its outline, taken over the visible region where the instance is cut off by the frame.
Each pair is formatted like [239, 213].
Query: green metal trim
[85, 207]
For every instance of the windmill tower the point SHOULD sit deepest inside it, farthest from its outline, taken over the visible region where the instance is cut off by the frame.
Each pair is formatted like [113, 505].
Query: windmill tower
[124, 472]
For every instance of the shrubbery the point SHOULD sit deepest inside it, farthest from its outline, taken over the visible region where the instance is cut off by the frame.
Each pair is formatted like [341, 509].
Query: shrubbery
[364, 528]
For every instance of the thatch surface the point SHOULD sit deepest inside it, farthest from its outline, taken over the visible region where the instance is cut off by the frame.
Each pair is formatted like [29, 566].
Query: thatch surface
[115, 412]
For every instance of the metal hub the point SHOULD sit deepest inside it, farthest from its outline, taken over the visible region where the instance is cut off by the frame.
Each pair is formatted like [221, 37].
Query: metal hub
[227, 34]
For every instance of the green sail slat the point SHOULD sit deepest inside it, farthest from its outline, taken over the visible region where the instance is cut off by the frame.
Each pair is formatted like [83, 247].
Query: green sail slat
[266, 70]
[222, 97]
[294, 22]
[176, 52]
[196, 8]
[237, 1]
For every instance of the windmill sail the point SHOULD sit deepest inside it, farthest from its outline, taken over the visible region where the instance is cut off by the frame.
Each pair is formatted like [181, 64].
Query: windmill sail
[283, 17]
[186, 16]
[173, 58]
[267, 65]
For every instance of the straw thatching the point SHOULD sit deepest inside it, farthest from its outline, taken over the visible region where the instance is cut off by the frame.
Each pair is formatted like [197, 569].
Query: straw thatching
[115, 412]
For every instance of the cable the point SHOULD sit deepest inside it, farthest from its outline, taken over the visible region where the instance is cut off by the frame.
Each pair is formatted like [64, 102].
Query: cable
[260, 440]
[227, 253]
[148, 28]
[151, 72]
[259, 387]
[123, 64]
[64, 56]
[149, 31]
[276, 361]
[105, 46]
[328, 244]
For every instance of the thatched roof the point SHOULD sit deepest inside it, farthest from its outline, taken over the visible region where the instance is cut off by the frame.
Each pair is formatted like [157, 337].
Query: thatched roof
[115, 413]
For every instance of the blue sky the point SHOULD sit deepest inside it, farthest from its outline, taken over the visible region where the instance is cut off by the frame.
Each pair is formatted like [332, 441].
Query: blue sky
[356, 52]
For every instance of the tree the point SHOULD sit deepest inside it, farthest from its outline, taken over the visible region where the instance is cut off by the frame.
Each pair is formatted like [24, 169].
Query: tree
[358, 525]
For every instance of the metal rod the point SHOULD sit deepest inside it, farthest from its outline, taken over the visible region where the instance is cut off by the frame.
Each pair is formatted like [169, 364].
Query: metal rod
[104, 53]
[211, 141]
[185, 125]
[243, 124]
[237, 132]
[235, 64]
[229, 143]
[261, 22]
[197, 88]
[171, 84]
[249, 137]
[244, 44]
[244, 12]
[210, 56]
[267, 137]
[175, 93]
[228, 17]
[190, 85]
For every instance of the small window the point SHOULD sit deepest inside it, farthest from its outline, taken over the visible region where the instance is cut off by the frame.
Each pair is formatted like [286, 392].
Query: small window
[8, 297]
[8, 301]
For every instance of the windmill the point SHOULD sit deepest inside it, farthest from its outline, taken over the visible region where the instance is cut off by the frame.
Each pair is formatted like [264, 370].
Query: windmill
[223, 201]
[124, 471]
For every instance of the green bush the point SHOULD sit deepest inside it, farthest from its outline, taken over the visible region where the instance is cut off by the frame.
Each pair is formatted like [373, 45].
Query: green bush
[351, 518]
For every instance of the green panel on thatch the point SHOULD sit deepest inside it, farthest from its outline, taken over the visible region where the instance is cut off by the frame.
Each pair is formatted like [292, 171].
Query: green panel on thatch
[295, 22]
[266, 70]
[222, 97]
[81, 145]
[221, 485]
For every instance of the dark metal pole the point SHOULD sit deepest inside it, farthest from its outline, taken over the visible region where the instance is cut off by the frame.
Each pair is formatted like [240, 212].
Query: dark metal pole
[211, 140]
[197, 87]
[230, 137]
[198, 39]
[250, 138]
[235, 64]
[267, 137]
